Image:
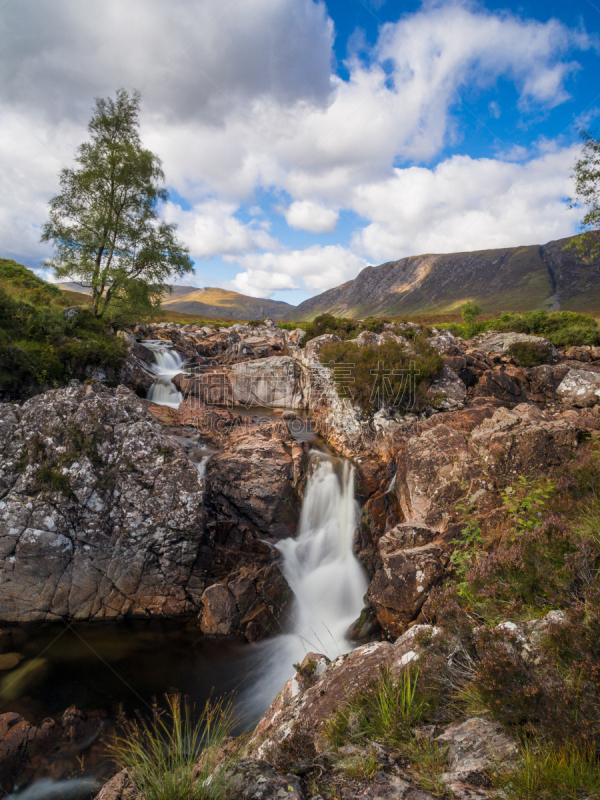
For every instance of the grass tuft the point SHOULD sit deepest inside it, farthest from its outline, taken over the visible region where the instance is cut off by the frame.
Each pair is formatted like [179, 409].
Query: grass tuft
[173, 757]
[544, 772]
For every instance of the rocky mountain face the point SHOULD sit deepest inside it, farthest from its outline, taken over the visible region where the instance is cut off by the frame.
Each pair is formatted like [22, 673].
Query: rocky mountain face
[507, 279]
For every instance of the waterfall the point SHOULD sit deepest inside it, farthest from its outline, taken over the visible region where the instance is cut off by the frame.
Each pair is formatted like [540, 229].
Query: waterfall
[168, 364]
[326, 578]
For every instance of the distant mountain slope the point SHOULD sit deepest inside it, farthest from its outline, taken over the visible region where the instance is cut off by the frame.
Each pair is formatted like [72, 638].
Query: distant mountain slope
[212, 302]
[507, 279]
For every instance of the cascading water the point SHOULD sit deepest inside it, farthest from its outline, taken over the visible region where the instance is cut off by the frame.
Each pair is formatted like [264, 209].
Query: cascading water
[327, 580]
[168, 364]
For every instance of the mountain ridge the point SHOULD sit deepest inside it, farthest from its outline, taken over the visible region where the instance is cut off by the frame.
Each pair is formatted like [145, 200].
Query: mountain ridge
[503, 279]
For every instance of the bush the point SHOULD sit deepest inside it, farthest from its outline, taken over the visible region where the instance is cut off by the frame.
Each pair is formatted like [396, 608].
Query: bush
[343, 327]
[562, 328]
[390, 375]
[530, 354]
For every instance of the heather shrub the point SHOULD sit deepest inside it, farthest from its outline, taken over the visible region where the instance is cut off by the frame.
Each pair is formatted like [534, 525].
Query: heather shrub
[530, 354]
[389, 375]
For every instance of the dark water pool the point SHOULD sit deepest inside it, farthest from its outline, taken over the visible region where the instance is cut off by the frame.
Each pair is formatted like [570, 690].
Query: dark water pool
[105, 666]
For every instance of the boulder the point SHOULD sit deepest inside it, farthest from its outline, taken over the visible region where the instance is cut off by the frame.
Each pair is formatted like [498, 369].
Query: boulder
[276, 382]
[580, 388]
[444, 342]
[101, 514]
[435, 470]
[447, 391]
[401, 586]
[524, 439]
[256, 779]
[579, 354]
[474, 746]
[494, 342]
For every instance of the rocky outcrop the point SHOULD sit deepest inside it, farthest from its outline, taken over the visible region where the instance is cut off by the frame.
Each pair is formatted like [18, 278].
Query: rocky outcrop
[253, 484]
[580, 388]
[27, 749]
[101, 514]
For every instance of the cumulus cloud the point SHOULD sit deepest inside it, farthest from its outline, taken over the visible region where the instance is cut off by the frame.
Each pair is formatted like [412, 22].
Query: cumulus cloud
[304, 215]
[241, 103]
[319, 267]
[466, 204]
[210, 228]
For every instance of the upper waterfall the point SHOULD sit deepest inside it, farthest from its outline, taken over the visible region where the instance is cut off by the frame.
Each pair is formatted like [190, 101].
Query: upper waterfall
[168, 364]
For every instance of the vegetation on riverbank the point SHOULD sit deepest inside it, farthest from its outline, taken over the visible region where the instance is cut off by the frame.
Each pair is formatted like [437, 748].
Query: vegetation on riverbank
[40, 346]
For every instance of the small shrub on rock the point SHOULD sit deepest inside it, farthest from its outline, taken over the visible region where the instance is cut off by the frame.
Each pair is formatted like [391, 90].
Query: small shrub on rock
[530, 354]
[389, 375]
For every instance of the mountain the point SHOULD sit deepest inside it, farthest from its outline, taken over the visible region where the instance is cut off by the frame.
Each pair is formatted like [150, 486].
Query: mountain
[507, 279]
[212, 302]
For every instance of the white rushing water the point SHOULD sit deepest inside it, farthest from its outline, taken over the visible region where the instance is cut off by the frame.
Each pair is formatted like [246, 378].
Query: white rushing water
[168, 364]
[327, 580]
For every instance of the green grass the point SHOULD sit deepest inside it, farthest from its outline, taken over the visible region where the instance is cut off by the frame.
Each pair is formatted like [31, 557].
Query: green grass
[545, 772]
[174, 757]
[384, 711]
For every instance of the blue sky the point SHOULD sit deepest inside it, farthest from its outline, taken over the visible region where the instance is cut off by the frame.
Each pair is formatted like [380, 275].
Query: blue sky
[303, 140]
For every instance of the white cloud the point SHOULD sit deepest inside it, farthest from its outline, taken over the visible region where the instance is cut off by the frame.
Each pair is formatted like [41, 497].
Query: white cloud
[466, 204]
[305, 215]
[319, 267]
[210, 228]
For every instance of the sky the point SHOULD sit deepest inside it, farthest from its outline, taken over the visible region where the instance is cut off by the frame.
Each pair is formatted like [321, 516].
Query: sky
[302, 141]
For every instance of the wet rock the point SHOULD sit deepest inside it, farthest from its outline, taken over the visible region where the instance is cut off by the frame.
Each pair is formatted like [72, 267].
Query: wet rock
[254, 481]
[10, 660]
[21, 680]
[366, 628]
[101, 514]
[580, 388]
[27, 749]
[220, 614]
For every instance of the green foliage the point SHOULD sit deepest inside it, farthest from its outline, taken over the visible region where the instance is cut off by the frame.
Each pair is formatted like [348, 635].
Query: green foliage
[525, 501]
[104, 224]
[383, 711]
[470, 312]
[530, 354]
[389, 375]
[546, 772]
[465, 550]
[587, 189]
[17, 276]
[39, 347]
[561, 328]
[173, 757]
[344, 327]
